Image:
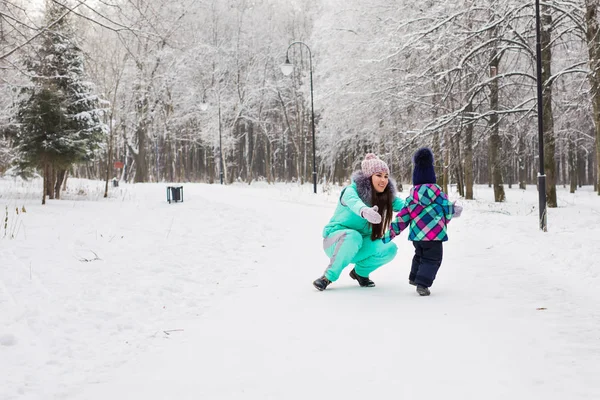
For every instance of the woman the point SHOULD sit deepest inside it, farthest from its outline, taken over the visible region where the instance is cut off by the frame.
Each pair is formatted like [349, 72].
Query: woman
[361, 218]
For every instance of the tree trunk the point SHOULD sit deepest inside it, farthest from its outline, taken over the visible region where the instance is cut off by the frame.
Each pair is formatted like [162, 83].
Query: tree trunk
[268, 159]
[45, 183]
[170, 160]
[251, 148]
[468, 157]
[438, 163]
[522, 166]
[572, 166]
[293, 139]
[589, 160]
[446, 163]
[60, 177]
[64, 185]
[593, 44]
[549, 138]
[50, 181]
[582, 178]
[108, 160]
[458, 166]
[140, 157]
[182, 157]
[495, 142]
[468, 166]
[563, 167]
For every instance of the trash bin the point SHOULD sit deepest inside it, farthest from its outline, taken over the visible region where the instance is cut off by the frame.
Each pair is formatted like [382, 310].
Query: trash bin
[174, 193]
[115, 182]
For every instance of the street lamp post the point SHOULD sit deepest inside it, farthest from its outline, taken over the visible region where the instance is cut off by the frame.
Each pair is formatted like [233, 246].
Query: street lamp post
[204, 107]
[540, 113]
[287, 69]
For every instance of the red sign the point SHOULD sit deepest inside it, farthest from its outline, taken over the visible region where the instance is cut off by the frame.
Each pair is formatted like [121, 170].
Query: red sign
[118, 164]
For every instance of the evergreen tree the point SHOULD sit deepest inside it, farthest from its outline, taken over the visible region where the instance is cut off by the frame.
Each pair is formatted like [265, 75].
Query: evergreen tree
[59, 114]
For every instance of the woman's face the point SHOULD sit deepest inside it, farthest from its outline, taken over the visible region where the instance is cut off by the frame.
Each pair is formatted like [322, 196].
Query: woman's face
[380, 181]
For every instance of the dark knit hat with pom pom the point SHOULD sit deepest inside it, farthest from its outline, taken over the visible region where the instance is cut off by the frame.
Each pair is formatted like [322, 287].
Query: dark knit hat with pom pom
[423, 171]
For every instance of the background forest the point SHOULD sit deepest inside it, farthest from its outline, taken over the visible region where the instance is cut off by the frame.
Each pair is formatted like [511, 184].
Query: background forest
[165, 87]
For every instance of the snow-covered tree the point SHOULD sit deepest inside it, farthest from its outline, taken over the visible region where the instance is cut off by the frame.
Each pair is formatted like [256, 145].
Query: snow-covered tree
[59, 117]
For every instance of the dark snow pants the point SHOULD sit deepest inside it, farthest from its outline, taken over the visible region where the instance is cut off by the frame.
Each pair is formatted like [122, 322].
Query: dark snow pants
[426, 262]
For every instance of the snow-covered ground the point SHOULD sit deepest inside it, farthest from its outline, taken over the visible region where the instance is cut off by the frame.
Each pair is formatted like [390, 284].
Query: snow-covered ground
[133, 298]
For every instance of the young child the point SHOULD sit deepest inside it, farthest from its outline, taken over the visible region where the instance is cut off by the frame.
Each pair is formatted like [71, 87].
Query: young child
[426, 213]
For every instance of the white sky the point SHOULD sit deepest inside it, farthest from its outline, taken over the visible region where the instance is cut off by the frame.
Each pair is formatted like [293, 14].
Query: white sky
[132, 298]
[35, 5]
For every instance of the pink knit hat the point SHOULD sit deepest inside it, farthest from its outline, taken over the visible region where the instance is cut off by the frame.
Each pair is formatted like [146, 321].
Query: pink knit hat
[372, 165]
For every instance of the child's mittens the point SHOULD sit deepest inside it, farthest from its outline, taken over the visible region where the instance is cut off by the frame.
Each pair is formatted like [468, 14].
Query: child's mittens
[371, 214]
[457, 210]
[388, 236]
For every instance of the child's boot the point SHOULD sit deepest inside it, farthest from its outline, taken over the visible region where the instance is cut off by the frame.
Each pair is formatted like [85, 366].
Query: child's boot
[423, 291]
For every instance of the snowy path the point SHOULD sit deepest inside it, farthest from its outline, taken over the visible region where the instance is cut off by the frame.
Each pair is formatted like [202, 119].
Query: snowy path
[243, 321]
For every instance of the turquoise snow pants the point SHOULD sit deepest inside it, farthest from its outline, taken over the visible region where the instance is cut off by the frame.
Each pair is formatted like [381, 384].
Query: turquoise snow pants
[347, 246]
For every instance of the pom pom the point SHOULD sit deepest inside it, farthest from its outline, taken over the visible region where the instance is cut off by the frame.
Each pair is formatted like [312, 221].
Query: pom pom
[370, 156]
[423, 157]
[423, 171]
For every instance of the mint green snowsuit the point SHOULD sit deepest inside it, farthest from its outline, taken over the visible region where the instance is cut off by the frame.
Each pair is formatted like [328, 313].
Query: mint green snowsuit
[347, 238]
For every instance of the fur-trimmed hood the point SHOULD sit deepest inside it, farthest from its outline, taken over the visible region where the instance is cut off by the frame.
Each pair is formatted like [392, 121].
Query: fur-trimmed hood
[363, 186]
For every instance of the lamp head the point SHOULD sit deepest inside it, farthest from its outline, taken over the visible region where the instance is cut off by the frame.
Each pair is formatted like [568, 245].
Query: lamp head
[287, 68]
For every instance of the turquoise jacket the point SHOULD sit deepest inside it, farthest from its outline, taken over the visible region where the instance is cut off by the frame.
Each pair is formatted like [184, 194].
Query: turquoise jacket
[347, 212]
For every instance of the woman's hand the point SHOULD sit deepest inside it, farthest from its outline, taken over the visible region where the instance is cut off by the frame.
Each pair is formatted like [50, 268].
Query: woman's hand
[371, 214]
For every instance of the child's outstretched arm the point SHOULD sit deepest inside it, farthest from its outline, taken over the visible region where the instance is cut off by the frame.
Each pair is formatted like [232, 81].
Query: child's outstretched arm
[399, 223]
[457, 210]
[397, 204]
[447, 206]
